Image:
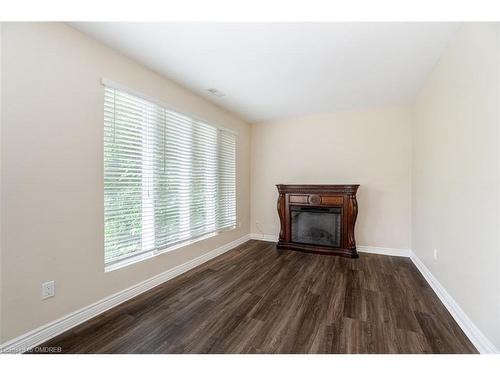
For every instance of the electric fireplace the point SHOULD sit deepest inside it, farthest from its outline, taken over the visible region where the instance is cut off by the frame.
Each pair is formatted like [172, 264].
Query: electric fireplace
[318, 218]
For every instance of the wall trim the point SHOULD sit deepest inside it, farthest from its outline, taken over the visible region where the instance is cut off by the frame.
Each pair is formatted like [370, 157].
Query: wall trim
[363, 249]
[384, 251]
[264, 237]
[46, 332]
[478, 339]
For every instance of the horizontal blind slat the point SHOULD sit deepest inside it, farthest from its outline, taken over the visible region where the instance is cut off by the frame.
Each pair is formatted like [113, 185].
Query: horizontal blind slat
[168, 178]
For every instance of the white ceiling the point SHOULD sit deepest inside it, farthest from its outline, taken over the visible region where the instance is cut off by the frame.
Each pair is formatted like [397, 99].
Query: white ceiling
[279, 70]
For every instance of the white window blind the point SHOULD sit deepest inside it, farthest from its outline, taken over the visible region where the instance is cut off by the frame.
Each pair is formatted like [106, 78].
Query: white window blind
[168, 178]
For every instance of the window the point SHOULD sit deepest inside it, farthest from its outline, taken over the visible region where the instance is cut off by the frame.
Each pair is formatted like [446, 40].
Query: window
[168, 178]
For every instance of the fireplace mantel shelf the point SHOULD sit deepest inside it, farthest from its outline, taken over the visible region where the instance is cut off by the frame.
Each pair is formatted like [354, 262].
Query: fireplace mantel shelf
[343, 197]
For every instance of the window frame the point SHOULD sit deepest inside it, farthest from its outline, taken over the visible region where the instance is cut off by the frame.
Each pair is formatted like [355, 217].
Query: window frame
[146, 254]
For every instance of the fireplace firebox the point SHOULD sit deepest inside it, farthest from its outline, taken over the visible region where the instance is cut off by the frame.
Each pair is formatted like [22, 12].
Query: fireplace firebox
[316, 225]
[318, 218]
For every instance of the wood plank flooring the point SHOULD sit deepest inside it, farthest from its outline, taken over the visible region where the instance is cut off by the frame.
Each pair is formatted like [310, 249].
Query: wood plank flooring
[257, 299]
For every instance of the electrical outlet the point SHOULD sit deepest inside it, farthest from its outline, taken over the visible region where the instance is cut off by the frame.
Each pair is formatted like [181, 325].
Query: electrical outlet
[48, 289]
[435, 254]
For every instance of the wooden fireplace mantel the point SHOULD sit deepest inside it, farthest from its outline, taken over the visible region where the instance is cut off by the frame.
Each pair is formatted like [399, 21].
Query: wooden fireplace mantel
[341, 196]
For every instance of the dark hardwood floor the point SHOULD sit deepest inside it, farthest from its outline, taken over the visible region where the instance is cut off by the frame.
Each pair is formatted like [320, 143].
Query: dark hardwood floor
[257, 299]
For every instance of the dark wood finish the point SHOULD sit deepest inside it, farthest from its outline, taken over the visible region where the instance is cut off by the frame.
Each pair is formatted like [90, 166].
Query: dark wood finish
[342, 196]
[257, 299]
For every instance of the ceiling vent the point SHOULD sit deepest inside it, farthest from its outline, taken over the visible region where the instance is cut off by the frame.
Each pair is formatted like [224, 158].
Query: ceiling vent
[216, 93]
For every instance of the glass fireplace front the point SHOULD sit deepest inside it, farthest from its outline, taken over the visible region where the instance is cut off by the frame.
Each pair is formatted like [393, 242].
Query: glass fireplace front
[316, 225]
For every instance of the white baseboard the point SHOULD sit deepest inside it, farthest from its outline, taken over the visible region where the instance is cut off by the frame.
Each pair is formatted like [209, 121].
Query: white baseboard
[264, 237]
[46, 332]
[384, 251]
[363, 249]
[478, 339]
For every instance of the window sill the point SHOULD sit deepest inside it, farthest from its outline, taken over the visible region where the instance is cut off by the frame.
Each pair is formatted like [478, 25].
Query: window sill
[139, 258]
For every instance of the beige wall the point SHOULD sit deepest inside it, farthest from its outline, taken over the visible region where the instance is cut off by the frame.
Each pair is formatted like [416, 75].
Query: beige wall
[1, 256]
[369, 147]
[52, 171]
[455, 187]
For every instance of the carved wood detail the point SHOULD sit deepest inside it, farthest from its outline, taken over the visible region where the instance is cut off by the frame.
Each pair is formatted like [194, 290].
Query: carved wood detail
[342, 196]
[281, 213]
[314, 199]
[353, 214]
[300, 199]
[329, 200]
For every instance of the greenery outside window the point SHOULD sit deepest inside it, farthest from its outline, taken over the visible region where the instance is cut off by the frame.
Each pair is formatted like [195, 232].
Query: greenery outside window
[168, 178]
